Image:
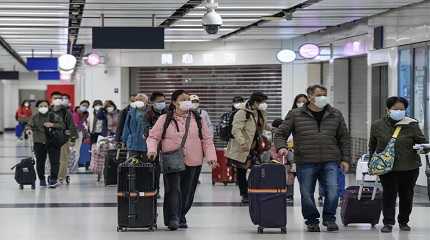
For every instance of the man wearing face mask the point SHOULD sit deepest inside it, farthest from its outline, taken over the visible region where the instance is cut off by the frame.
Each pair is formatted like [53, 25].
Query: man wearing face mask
[248, 124]
[59, 107]
[100, 125]
[203, 113]
[403, 177]
[321, 144]
[122, 117]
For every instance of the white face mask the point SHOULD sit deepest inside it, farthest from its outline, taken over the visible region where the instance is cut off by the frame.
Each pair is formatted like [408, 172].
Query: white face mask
[43, 110]
[321, 102]
[65, 102]
[110, 109]
[132, 105]
[397, 115]
[262, 106]
[300, 104]
[160, 106]
[83, 108]
[97, 108]
[26, 104]
[185, 105]
[236, 105]
[139, 104]
[195, 106]
[57, 102]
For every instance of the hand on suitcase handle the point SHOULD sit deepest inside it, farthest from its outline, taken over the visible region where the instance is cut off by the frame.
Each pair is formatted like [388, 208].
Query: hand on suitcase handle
[151, 156]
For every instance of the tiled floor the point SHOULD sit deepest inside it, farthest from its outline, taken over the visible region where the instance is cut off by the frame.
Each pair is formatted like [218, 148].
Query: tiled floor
[86, 210]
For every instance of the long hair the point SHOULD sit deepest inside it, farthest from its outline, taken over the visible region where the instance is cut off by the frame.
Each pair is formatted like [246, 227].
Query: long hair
[297, 98]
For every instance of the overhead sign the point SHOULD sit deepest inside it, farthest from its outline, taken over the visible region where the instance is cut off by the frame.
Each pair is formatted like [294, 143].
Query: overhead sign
[309, 51]
[128, 37]
[43, 64]
[9, 75]
[51, 75]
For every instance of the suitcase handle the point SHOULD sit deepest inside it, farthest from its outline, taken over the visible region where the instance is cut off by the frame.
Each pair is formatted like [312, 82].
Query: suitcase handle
[375, 187]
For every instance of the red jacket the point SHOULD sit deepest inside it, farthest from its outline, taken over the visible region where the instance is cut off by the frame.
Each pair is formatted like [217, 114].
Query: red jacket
[23, 114]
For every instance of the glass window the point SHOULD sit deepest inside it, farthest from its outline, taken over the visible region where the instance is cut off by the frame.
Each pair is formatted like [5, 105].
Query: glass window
[419, 82]
[405, 76]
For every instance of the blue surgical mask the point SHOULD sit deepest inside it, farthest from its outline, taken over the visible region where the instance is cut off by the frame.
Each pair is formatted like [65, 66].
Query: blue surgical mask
[397, 115]
[160, 106]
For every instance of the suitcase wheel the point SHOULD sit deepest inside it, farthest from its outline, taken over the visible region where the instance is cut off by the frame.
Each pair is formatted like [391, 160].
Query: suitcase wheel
[373, 225]
[225, 183]
[260, 230]
[345, 224]
[68, 180]
[120, 229]
[21, 186]
[99, 177]
[284, 230]
[33, 186]
[213, 183]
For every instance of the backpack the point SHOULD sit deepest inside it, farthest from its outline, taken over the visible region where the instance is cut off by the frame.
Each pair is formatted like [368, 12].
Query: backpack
[169, 119]
[226, 125]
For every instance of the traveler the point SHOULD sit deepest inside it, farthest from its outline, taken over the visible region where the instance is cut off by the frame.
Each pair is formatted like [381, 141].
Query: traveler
[66, 102]
[224, 127]
[99, 126]
[80, 119]
[203, 113]
[248, 125]
[122, 117]
[402, 179]
[112, 116]
[38, 128]
[60, 108]
[168, 133]
[134, 127]
[22, 116]
[321, 143]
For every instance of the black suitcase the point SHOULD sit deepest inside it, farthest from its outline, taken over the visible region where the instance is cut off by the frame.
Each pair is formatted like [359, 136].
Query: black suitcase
[267, 190]
[428, 175]
[25, 173]
[112, 161]
[361, 204]
[137, 201]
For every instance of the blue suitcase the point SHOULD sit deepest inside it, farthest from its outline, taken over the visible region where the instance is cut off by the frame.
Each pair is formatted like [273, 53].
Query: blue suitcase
[267, 188]
[85, 155]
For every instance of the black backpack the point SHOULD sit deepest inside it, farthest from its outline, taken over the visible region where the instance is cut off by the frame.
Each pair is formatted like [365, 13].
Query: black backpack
[169, 119]
[225, 126]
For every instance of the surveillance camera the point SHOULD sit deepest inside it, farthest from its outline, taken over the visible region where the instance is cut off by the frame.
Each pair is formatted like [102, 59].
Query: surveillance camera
[212, 21]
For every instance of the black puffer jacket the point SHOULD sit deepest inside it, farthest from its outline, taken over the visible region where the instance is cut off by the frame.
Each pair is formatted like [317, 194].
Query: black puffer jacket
[312, 143]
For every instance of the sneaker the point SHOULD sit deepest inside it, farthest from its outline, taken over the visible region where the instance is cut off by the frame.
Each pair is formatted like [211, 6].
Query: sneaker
[245, 200]
[183, 225]
[173, 226]
[53, 184]
[314, 228]
[43, 183]
[331, 226]
[404, 227]
[387, 229]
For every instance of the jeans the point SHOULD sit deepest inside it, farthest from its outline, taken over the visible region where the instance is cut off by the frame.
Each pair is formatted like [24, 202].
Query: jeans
[41, 151]
[179, 194]
[327, 174]
[341, 184]
[400, 183]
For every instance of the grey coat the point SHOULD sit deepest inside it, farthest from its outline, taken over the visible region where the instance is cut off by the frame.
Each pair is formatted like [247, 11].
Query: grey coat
[314, 144]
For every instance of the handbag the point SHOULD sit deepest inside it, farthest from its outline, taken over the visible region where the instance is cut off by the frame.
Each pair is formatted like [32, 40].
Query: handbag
[173, 161]
[383, 162]
[56, 137]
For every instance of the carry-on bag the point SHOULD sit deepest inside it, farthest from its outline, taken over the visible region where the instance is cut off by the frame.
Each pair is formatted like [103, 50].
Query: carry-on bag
[137, 201]
[85, 155]
[223, 173]
[114, 157]
[24, 171]
[267, 190]
[362, 204]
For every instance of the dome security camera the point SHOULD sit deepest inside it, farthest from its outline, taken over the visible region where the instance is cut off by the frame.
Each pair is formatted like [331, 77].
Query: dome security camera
[211, 21]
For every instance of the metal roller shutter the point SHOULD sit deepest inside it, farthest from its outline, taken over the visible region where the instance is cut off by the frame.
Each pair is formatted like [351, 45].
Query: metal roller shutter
[215, 85]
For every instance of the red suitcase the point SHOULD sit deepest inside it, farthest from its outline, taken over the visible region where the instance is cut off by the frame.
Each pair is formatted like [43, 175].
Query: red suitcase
[223, 173]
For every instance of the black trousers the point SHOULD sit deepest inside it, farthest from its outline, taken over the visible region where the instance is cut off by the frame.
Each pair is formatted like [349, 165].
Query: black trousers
[142, 155]
[179, 194]
[242, 182]
[42, 151]
[400, 184]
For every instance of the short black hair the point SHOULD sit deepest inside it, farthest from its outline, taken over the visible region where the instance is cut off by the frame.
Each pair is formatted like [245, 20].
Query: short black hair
[257, 97]
[41, 101]
[238, 99]
[155, 95]
[66, 95]
[277, 122]
[112, 104]
[393, 100]
[310, 91]
[97, 102]
[85, 101]
[56, 93]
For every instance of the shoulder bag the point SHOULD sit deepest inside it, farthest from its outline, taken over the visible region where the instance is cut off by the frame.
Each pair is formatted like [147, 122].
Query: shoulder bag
[383, 162]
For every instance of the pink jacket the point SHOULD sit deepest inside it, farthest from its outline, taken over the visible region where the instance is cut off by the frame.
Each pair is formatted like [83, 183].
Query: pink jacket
[195, 150]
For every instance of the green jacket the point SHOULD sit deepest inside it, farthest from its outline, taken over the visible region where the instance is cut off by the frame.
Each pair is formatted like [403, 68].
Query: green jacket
[36, 125]
[406, 157]
[67, 118]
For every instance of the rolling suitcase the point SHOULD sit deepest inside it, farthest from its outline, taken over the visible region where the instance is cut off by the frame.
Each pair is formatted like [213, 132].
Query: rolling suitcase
[25, 173]
[137, 202]
[223, 173]
[113, 159]
[267, 190]
[85, 155]
[428, 175]
[361, 204]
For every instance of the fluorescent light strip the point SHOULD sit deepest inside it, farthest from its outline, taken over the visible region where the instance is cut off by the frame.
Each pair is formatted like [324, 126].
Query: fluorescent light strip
[233, 14]
[247, 7]
[34, 19]
[187, 40]
[224, 19]
[23, 13]
[38, 52]
[33, 25]
[196, 29]
[53, 6]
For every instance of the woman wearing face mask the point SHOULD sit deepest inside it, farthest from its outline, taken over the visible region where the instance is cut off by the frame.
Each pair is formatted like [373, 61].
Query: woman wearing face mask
[112, 115]
[80, 119]
[22, 116]
[248, 124]
[99, 127]
[169, 131]
[401, 181]
[134, 128]
[37, 127]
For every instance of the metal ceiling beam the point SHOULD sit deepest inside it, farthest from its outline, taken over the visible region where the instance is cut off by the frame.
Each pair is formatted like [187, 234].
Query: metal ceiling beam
[302, 5]
[12, 52]
[181, 12]
[76, 11]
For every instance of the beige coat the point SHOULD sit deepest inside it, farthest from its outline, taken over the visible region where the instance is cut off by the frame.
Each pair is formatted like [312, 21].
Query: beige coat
[243, 131]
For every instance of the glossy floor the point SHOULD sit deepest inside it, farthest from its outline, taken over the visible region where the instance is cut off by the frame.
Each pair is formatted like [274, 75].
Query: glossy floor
[86, 210]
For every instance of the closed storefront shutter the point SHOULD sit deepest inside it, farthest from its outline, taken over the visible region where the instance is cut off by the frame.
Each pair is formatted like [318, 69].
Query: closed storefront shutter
[215, 85]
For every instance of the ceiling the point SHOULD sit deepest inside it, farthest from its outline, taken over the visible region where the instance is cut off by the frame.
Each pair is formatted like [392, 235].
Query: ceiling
[41, 26]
